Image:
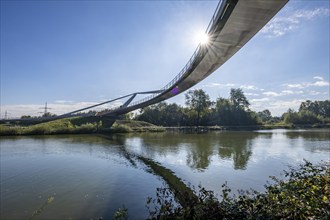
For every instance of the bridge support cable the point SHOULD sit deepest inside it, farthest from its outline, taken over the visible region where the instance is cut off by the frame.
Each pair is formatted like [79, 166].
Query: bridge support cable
[126, 104]
[93, 106]
[128, 101]
[69, 114]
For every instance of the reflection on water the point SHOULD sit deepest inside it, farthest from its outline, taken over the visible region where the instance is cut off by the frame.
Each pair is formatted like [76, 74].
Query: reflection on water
[239, 149]
[243, 159]
[92, 176]
[199, 148]
[316, 140]
[88, 176]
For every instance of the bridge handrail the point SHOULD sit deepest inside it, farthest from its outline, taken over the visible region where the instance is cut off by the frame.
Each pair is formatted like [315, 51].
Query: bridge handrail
[183, 71]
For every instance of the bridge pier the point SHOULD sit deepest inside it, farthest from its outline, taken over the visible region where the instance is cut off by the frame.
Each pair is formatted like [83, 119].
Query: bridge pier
[107, 122]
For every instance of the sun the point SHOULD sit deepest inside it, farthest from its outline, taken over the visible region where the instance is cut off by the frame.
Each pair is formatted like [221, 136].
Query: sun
[202, 38]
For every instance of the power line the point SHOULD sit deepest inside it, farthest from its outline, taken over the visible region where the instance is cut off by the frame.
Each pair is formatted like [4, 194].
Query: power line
[7, 114]
[45, 109]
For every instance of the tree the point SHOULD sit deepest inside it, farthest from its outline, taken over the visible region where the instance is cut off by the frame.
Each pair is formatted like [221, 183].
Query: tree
[321, 108]
[198, 101]
[128, 116]
[227, 113]
[48, 114]
[26, 116]
[151, 114]
[290, 116]
[172, 115]
[162, 114]
[324, 108]
[317, 112]
[265, 115]
[238, 98]
[223, 112]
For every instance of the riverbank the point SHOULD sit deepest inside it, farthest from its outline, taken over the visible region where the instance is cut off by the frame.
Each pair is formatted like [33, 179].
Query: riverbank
[201, 129]
[304, 194]
[77, 126]
[73, 126]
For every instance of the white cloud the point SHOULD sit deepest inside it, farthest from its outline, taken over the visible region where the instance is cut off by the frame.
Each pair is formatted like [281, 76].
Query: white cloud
[282, 106]
[277, 107]
[259, 104]
[272, 94]
[231, 85]
[291, 96]
[218, 85]
[314, 93]
[249, 87]
[290, 92]
[299, 86]
[279, 26]
[318, 78]
[251, 94]
[283, 93]
[320, 83]
[211, 85]
[310, 14]
[63, 101]
[287, 92]
[260, 100]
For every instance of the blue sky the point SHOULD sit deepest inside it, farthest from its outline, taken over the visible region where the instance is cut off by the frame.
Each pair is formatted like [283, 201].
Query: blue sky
[77, 53]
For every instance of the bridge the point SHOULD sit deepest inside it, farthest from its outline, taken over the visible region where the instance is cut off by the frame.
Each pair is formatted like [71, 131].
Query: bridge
[233, 24]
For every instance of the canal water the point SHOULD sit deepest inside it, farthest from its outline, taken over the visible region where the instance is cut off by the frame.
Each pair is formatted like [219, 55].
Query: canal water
[89, 177]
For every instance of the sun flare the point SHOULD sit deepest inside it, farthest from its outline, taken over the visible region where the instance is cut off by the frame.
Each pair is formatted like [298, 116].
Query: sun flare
[202, 38]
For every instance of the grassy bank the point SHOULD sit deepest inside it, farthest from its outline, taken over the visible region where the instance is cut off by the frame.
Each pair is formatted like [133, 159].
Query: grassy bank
[89, 126]
[135, 126]
[61, 126]
[77, 126]
[198, 129]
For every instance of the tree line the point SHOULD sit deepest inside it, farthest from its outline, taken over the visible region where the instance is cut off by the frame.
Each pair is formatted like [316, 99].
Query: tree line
[235, 110]
[317, 112]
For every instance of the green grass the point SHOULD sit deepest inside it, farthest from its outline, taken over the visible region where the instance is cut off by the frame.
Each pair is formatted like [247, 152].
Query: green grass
[60, 126]
[77, 126]
[126, 126]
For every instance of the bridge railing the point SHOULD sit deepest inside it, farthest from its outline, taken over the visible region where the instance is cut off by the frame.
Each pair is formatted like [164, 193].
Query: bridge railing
[185, 69]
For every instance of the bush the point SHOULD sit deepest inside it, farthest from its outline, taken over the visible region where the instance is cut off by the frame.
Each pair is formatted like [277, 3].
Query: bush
[60, 126]
[86, 128]
[304, 194]
[120, 128]
[7, 130]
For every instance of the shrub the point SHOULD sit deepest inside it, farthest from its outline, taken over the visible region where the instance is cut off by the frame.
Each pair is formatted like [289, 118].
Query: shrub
[6, 130]
[86, 128]
[303, 194]
[120, 128]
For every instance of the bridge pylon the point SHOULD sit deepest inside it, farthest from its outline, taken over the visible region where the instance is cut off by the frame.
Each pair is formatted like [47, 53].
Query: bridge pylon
[108, 121]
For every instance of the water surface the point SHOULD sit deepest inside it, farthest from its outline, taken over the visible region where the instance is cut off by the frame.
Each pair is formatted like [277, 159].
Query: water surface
[92, 176]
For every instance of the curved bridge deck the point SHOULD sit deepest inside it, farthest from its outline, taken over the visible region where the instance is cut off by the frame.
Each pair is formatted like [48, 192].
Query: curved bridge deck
[233, 24]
